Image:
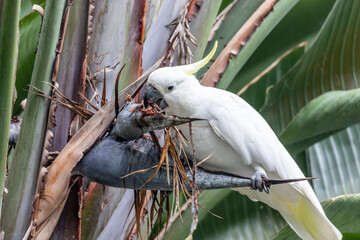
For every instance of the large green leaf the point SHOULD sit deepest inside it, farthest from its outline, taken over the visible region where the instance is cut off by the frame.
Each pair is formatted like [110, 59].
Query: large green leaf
[243, 219]
[329, 112]
[336, 161]
[343, 212]
[302, 22]
[9, 14]
[281, 8]
[256, 93]
[235, 17]
[331, 63]
[208, 199]
[29, 34]
[24, 171]
[201, 27]
[26, 6]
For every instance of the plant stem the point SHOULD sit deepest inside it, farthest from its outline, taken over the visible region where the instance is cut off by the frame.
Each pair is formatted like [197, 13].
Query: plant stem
[9, 13]
[23, 174]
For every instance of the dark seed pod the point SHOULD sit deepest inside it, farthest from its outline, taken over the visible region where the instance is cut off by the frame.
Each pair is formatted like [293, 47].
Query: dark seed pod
[109, 161]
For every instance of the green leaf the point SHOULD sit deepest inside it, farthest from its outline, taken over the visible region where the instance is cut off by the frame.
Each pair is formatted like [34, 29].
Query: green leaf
[235, 18]
[336, 161]
[208, 199]
[256, 93]
[24, 171]
[343, 212]
[9, 14]
[329, 112]
[302, 23]
[331, 63]
[243, 219]
[281, 8]
[201, 27]
[26, 6]
[224, 4]
[29, 35]
[351, 236]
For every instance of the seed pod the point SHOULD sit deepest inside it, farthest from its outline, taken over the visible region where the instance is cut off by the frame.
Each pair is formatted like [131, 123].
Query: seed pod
[110, 160]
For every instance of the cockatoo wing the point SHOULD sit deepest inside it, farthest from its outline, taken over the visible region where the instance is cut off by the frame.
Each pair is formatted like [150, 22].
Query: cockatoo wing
[244, 129]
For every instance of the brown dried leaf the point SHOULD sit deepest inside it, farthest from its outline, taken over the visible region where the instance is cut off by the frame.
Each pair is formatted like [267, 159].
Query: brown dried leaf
[180, 36]
[103, 96]
[193, 9]
[162, 157]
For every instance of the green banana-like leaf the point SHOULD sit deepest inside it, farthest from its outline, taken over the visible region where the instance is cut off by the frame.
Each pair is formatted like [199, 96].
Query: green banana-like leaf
[27, 5]
[22, 178]
[235, 17]
[256, 93]
[302, 23]
[280, 9]
[331, 63]
[208, 200]
[29, 35]
[329, 112]
[336, 160]
[201, 27]
[242, 218]
[9, 14]
[342, 211]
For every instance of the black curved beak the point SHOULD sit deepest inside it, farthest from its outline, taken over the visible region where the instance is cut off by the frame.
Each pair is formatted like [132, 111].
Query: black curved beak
[152, 96]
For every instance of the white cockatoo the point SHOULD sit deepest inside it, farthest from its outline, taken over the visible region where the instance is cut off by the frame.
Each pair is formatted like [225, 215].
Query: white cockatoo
[241, 142]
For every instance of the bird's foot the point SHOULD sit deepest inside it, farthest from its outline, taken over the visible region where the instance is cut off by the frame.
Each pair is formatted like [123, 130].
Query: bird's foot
[258, 182]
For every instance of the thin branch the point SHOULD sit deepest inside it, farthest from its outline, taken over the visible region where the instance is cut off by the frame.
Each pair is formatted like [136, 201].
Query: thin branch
[205, 159]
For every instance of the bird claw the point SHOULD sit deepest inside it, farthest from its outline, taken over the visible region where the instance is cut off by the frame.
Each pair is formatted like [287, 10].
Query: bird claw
[258, 182]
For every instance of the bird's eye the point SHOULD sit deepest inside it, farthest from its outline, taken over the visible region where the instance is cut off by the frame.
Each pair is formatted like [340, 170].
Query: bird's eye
[171, 87]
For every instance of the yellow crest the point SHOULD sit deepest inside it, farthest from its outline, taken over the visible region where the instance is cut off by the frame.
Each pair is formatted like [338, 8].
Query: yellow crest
[194, 67]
